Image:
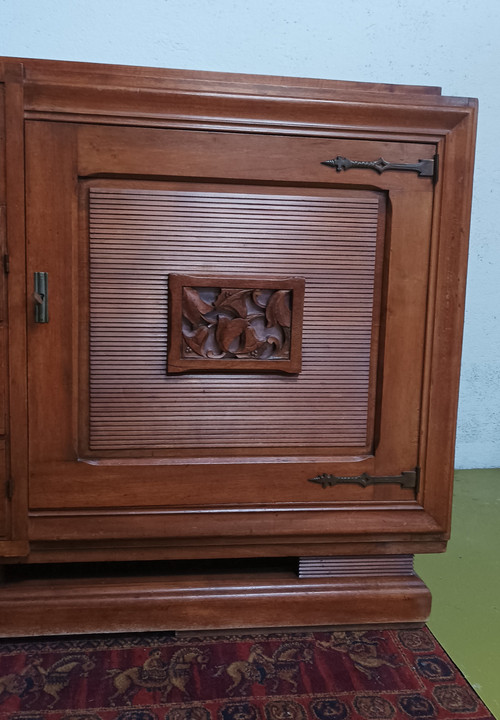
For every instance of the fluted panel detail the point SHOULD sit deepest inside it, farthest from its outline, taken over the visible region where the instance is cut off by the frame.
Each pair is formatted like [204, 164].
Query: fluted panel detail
[139, 237]
[352, 566]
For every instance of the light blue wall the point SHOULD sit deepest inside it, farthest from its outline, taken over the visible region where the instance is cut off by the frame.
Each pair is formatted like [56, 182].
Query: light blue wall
[451, 43]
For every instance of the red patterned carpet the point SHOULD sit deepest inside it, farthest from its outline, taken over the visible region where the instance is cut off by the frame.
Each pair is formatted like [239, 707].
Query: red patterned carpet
[370, 675]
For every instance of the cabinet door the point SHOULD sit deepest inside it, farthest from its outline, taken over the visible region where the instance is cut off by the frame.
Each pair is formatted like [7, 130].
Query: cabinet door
[229, 320]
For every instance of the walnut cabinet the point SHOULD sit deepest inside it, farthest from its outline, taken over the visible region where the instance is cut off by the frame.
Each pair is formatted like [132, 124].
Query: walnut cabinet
[231, 326]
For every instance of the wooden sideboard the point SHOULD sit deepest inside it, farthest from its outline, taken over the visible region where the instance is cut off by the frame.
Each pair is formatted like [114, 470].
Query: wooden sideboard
[231, 318]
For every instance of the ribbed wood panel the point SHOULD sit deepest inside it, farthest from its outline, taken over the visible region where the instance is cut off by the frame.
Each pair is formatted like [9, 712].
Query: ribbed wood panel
[351, 566]
[138, 237]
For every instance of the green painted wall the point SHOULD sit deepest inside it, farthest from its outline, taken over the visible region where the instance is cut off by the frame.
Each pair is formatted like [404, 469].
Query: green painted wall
[465, 584]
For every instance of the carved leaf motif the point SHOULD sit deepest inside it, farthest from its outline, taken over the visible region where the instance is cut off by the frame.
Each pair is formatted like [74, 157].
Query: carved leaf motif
[193, 307]
[197, 341]
[276, 339]
[221, 322]
[260, 297]
[278, 309]
[250, 341]
[233, 300]
[228, 330]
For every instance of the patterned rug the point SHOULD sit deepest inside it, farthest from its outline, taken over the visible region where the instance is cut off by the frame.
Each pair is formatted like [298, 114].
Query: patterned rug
[368, 675]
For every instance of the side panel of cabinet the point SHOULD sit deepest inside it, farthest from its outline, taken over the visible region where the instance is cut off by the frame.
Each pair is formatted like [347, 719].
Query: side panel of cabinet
[13, 455]
[4, 491]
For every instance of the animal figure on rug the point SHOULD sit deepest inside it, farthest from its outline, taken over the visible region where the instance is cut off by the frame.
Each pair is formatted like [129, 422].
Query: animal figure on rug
[12, 684]
[154, 674]
[34, 679]
[362, 651]
[259, 668]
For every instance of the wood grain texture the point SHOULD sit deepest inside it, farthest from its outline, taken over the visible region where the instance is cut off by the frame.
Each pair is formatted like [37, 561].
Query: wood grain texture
[138, 238]
[147, 550]
[441, 383]
[42, 72]
[4, 470]
[14, 299]
[41, 607]
[249, 529]
[4, 490]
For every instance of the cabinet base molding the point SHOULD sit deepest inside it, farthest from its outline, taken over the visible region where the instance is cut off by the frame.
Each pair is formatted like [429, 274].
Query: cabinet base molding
[138, 604]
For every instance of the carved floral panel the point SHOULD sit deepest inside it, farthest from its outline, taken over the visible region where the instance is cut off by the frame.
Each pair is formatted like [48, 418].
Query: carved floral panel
[240, 323]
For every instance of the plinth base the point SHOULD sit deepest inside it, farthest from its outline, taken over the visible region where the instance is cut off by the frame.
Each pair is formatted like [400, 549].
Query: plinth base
[203, 602]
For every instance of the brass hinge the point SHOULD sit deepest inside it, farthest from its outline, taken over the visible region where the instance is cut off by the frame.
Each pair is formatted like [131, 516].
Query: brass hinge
[407, 479]
[425, 168]
[6, 264]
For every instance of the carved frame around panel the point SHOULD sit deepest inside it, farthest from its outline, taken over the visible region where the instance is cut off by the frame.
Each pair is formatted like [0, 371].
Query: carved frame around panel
[244, 323]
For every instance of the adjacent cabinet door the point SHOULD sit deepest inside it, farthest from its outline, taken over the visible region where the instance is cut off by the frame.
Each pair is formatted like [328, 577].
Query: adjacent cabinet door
[231, 324]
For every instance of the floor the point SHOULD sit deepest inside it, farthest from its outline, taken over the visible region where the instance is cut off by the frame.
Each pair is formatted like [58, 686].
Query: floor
[465, 584]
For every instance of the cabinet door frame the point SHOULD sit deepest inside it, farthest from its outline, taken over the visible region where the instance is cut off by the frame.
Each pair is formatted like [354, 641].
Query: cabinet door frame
[114, 480]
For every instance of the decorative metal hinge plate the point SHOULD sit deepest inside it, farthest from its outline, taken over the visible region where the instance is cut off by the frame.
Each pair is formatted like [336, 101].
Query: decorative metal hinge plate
[407, 479]
[425, 168]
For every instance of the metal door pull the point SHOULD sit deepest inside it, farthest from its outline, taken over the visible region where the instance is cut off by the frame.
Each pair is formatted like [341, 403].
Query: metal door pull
[40, 297]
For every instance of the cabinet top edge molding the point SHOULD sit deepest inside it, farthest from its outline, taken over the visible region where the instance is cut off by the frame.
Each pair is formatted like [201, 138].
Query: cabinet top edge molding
[82, 74]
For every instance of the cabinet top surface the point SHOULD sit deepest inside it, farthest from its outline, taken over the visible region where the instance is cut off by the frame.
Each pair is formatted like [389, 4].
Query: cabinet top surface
[56, 72]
